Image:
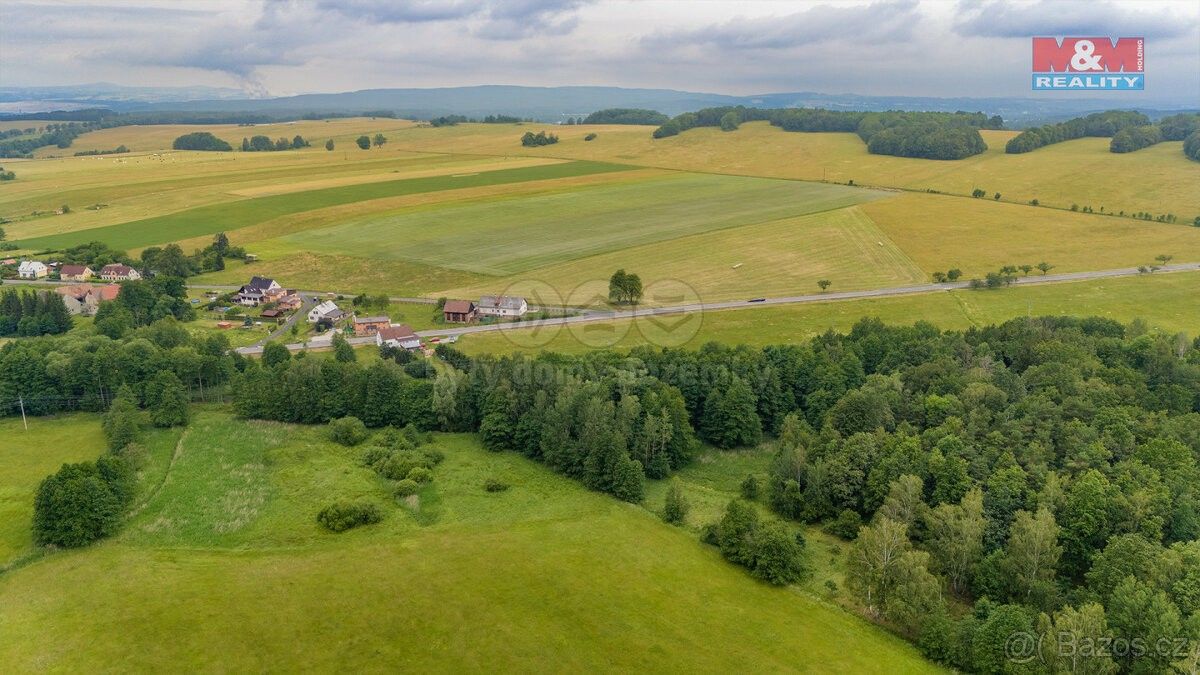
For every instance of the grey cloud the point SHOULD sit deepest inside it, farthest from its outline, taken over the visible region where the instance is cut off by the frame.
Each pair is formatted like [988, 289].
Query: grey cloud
[880, 22]
[1084, 18]
[411, 11]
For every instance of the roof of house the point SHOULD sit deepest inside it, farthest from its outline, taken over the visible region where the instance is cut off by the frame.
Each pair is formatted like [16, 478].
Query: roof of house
[372, 319]
[116, 268]
[259, 284]
[8, 261]
[81, 291]
[325, 308]
[26, 264]
[272, 313]
[398, 332]
[72, 270]
[108, 292]
[501, 302]
[334, 314]
[458, 306]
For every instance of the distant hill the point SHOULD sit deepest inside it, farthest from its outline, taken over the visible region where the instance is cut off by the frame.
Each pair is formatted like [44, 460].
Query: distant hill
[547, 104]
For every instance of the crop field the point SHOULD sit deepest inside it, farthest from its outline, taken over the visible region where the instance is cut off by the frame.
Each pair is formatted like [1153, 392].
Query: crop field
[1167, 302]
[459, 576]
[1158, 179]
[512, 235]
[208, 220]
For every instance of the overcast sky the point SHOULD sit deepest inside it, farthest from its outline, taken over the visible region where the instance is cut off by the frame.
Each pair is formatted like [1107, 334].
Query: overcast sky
[280, 47]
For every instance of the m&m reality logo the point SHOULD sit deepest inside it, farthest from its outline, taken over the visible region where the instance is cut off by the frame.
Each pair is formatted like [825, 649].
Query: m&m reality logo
[1089, 63]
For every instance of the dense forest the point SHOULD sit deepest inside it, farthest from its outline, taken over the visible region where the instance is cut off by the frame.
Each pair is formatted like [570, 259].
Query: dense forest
[30, 313]
[1101, 124]
[1191, 146]
[927, 135]
[58, 134]
[626, 116]
[1038, 477]
[201, 140]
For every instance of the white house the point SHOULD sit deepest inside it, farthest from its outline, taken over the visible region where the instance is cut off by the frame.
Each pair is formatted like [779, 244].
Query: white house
[258, 291]
[32, 269]
[119, 272]
[400, 336]
[326, 310]
[501, 305]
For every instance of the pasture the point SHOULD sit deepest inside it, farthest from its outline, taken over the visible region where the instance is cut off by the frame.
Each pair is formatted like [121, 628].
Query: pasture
[503, 236]
[460, 580]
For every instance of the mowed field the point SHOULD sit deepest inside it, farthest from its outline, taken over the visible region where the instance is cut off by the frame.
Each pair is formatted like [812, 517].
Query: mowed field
[223, 563]
[503, 236]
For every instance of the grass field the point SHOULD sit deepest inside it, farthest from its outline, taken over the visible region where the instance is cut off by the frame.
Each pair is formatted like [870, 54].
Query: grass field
[503, 236]
[207, 220]
[1169, 302]
[772, 258]
[1158, 179]
[225, 568]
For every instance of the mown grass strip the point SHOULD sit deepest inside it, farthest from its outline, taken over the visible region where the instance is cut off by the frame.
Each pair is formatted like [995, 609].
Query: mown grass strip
[231, 216]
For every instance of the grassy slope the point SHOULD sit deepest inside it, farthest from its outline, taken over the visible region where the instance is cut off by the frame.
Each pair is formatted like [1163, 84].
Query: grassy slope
[1158, 179]
[1170, 302]
[225, 568]
[512, 235]
[772, 258]
[208, 220]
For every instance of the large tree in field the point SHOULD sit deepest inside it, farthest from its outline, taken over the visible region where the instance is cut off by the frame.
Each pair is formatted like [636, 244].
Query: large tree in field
[379, 140]
[624, 288]
[363, 142]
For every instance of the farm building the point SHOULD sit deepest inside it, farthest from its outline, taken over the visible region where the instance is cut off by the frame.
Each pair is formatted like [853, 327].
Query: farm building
[85, 299]
[502, 305]
[399, 336]
[458, 311]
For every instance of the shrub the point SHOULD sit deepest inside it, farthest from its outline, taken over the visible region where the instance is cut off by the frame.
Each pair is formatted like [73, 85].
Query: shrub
[344, 515]
[79, 504]
[374, 455]
[407, 488]
[676, 506]
[420, 475]
[845, 525]
[399, 464]
[495, 485]
[750, 488]
[590, 137]
[347, 431]
[778, 558]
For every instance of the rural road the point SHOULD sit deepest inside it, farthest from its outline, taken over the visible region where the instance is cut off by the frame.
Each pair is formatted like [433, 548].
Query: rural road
[610, 315]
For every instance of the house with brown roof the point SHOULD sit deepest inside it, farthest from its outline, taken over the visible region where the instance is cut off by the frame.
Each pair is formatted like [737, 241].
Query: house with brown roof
[400, 336]
[85, 299]
[119, 272]
[458, 311]
[369, 325]
[76, 273]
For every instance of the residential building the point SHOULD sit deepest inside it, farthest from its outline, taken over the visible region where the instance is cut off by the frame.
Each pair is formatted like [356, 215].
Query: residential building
[458, 311]
[260, 290]
[509, 306]
[326, 311]
[369, 325]
[289, 302]
[85, 299]
[32, 269]
[76, 273]
[400, 336]
[119, 272]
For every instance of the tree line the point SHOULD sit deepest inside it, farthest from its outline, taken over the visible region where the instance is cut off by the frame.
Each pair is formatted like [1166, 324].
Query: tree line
[929, 135]
[453, 120]
[626, 116]
[59, 134]
[31, 313]
[260, 143]
[1102, 124]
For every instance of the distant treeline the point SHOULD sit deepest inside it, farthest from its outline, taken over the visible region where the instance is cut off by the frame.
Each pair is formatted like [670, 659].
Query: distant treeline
[119, 150]
[265, 144]
[1129, 130]
[626, 116]
[61, 134]
[451, 120]
[927, 135]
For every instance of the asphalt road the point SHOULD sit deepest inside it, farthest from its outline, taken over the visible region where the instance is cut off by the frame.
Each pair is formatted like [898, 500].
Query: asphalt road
[594, 316]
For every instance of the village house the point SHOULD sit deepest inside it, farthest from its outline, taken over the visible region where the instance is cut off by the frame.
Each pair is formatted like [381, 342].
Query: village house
[85, 299]
[290, 301]
[458, 311]
[75, 273]
[119, 272]
[506, 306]
[276, 315]
[369, 325]
[32, 269]
[326, 311]
[400, 336]
[260, 290]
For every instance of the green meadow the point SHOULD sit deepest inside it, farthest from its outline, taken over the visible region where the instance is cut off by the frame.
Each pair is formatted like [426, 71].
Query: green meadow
[224, 563]
[501, 236]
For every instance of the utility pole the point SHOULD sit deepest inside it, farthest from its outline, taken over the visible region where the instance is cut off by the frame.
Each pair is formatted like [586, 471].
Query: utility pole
[24, 421]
